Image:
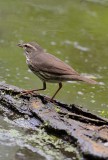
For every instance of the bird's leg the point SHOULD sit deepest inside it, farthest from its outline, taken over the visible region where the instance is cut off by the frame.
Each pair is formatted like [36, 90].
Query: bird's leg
[31, 91]
[60, 86]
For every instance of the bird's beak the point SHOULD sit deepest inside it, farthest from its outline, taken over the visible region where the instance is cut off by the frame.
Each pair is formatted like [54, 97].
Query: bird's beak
[20, 45]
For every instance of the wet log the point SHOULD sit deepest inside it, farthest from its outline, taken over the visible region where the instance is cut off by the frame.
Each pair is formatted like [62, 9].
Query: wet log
[87, 131]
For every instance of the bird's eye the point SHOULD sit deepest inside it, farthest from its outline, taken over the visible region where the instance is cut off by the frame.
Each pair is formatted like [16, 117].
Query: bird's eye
[25, 45]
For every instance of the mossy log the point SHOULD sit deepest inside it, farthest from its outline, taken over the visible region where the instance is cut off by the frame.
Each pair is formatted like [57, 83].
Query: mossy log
[87, 131]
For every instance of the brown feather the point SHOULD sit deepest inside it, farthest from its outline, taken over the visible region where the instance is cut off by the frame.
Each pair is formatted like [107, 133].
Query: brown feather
[48, 63]
[51, 69]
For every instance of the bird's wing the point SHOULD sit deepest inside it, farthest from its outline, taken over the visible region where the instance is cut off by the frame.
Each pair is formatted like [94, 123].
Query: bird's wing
[46, 62]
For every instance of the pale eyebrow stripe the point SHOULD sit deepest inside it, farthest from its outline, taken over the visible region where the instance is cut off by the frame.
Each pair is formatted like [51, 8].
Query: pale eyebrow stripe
[31, 46]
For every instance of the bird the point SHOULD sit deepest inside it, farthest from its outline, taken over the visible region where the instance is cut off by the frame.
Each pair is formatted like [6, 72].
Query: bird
[49, 68]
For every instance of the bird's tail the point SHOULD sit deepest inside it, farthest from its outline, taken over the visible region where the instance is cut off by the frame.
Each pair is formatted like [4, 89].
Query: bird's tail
[88, 80]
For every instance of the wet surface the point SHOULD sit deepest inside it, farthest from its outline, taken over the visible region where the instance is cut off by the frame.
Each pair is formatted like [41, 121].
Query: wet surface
[67, 123]
[23, 143]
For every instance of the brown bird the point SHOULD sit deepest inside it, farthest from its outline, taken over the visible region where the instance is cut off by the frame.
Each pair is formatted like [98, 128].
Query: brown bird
[49, 68]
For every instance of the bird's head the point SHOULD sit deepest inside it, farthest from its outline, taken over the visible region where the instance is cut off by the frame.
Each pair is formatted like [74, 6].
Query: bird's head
[30, 48]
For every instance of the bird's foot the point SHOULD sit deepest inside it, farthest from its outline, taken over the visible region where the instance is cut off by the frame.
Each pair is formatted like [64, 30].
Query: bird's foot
[48, 99]
[25, 92]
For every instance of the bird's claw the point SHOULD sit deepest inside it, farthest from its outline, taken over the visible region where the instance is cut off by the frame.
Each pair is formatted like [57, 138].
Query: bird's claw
[25, 92]
[49, 99]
